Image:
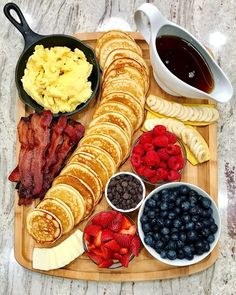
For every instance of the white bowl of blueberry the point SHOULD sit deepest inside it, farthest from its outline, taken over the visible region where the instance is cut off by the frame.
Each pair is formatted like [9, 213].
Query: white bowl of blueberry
[179, 224]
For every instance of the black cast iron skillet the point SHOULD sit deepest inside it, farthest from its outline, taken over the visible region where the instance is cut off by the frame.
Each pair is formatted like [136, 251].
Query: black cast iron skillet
[31, 40]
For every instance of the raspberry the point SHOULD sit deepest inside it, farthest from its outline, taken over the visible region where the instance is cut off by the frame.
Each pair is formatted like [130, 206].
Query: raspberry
[162, 164]
[159, 130]
[138, 149]
[171, 137]
[148, 172]
[175, 163]
[135, 160]
[173, 175]
[160, 141]
[181, 162]
[151, 158]
[148, 147]
[162, 173]
[146, 138]
[154, 179]
[173, 149]
[140, 170]
[162, 153]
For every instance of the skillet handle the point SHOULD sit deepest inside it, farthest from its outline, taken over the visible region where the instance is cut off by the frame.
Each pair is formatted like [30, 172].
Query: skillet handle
[29, 36]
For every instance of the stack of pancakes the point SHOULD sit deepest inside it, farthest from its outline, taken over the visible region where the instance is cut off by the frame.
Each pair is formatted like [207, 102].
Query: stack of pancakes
[107, 142]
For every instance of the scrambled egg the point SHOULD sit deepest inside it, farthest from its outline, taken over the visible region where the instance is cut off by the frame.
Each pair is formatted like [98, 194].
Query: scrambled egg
[57, 78]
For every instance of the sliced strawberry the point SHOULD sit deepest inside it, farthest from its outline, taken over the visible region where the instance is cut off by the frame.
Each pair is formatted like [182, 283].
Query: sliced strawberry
[107, 235]
[138, 149]
[94, 257]
[125, 260]
[136, 160]
[113, 245]
[145, 138]
[148, 172]
[131, 231]
[135, 245]
[91, 247]
[87, 238]
[151, 158]
[97, 240]
[171, 137]
[148, 147]
[173, 175]
[106, 253]
[126, 223]
[116, 223]
[159, 130]
[123, 240]
[97, 251]
[105, 263]
[124, 251]
[104, 218]
[160, 141]
[117, 255]
[174, 163]
[162, 153]
[92, 230]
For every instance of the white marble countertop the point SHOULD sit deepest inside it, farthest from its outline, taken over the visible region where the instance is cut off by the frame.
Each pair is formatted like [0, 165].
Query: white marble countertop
[213, 22]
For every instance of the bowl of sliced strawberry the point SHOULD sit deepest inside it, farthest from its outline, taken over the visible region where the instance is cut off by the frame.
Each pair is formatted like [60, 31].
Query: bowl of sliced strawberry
[111, 239]
[158, 156]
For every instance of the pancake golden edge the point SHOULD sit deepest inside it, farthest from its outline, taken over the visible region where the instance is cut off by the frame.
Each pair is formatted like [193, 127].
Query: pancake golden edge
[71, 197]
[96, 165]
[60, 210]
[128, 100]
[100, 154]
[81, 187]
[106, 143]
[122, 53]
[86, 174]
[43, 226]
[127, 67]
[108, 36]
[115, 132]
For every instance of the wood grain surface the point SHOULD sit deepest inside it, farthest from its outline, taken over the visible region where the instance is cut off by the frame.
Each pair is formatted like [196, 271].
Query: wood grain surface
[143, 267]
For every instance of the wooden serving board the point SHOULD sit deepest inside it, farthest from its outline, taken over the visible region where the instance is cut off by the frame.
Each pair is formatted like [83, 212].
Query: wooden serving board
[144, 267]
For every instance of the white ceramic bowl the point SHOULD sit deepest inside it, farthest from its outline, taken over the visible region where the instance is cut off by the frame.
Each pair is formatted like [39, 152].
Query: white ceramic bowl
[143, 196]
[215, 215]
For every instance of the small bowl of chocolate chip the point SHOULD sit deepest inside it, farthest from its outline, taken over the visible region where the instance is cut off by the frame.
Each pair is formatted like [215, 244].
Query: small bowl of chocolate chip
[125, 192]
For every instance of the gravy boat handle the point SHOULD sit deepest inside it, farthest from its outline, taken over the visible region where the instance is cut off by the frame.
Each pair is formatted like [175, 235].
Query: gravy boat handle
[155, 18]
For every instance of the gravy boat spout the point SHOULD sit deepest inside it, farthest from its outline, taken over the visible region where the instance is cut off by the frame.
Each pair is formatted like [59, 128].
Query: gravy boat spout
[160, 26]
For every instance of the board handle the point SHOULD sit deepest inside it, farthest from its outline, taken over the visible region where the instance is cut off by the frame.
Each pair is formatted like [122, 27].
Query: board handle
[30, 36]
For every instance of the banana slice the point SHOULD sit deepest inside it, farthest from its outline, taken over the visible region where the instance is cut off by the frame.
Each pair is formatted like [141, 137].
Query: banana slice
[61, 255]
[190, 136]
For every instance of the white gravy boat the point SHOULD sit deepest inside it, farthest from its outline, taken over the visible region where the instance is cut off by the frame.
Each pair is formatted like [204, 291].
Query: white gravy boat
[159, 26]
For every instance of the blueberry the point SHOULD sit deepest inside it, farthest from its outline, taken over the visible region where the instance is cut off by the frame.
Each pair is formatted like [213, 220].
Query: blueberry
[159, 245]
[158, 203]
[180, 244]
[205, 213]
[206, 246]
[189, 256]
[163, 254]
[151, 203]
[211, 220]
[165, 231]
[180, 254]
[160, 222]
[199, 225]
[185, 206]
[174, 237]
[157, 210]
[144, 218]
[156, 228]
[182, 236]
[193, 200]
[206, 222]
[192, 193]
[171, 254]
[164, 206]
[198, 245]
[171, 245]
[186, 218]
[172, 198]
[182, 228]
[192, 235]
[199, 198]
[213, 228]
[205, 232]
[187, 250]
[178, 202]
[206, 203]
[168, 222]
[151, 214]
[145, 210]
[195, 218]
[183, 198]
[156, 196]
[199, 251]
[177, 210]
[165, 238]
[172, 206]
[184, 190]
[194, 210]
[211, 239]
[177, 223]
[189, 226]
[149, 240]
[174, 230]
[164, 192]
[156, 236]
[153, 222]
[146, 227]
[164, 214]
[175, 193]
[171, 215]
[165, 198]
[192, 248]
